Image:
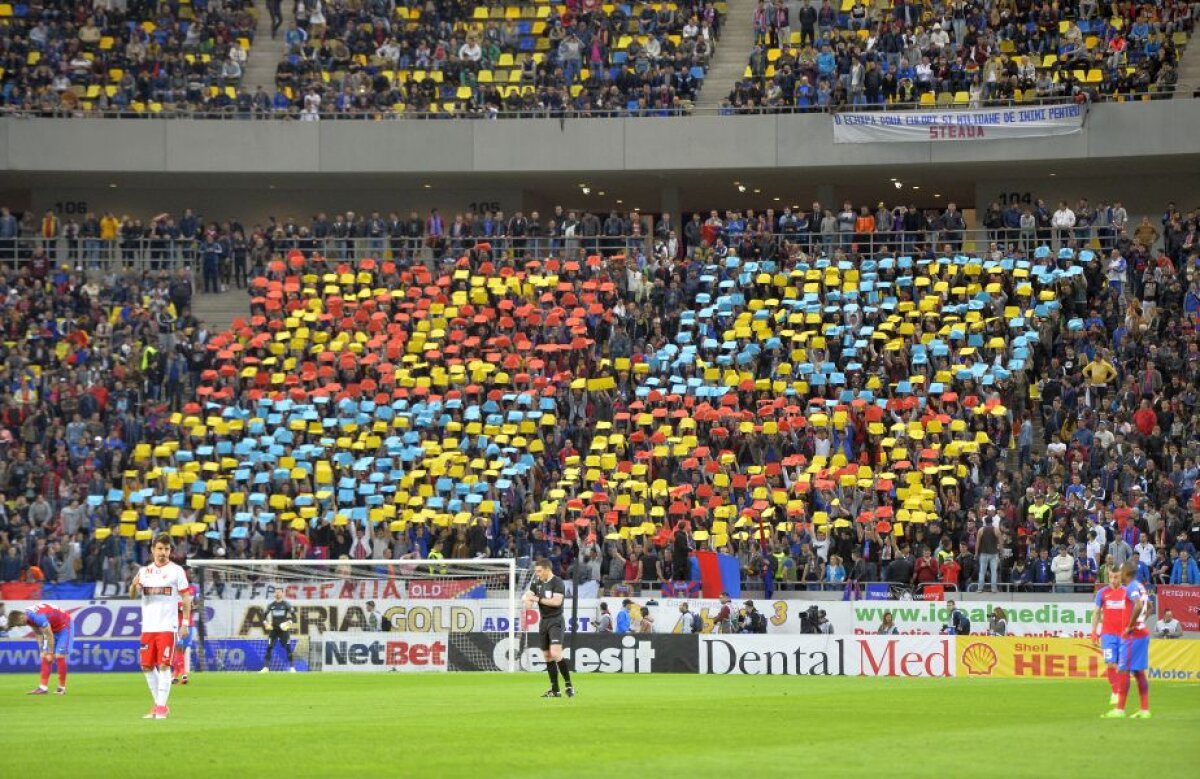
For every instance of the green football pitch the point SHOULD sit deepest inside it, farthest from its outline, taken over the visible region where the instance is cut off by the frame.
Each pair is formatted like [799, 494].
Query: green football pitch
[486, 725]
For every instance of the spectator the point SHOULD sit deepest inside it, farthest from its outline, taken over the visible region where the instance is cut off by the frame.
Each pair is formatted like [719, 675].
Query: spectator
[1184, 570]
[888, 626]
[1063, 568]
[987, 553]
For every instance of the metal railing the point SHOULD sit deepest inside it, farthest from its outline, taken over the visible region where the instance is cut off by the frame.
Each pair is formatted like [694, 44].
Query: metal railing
[156, 255]
[291, 114]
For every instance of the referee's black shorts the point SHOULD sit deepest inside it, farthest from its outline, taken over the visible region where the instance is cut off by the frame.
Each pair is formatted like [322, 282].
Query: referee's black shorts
[551, 632]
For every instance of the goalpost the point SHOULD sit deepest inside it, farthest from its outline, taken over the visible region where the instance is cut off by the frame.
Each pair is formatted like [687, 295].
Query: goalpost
[420, 609]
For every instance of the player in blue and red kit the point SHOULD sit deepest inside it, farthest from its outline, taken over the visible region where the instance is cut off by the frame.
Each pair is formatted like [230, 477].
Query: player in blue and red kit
[181, 661]
[52, 627]
[1108, 623]
[1137, 646]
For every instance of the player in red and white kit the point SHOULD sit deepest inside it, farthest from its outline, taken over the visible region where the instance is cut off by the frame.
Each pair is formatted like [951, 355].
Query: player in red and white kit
[162, 586]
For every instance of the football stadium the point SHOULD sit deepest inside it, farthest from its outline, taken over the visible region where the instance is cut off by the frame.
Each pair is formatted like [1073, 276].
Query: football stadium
[435, 387]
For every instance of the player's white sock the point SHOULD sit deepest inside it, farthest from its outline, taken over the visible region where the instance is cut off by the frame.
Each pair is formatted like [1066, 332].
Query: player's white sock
[164, 685]
[152, 681]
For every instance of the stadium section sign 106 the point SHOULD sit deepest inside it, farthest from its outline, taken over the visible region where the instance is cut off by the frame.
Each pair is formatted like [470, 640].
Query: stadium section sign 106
[989, 124]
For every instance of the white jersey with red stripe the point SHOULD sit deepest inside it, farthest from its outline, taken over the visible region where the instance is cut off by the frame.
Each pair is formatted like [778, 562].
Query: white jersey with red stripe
[162, 590]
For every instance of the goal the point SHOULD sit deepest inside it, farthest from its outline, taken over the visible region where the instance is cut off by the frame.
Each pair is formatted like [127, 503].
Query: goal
[354, 615]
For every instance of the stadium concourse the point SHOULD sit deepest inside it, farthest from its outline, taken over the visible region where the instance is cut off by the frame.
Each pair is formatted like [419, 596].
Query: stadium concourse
[829, 418]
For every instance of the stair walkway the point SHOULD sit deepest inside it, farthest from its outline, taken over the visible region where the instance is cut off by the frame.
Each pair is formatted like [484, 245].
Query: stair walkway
[731, 56]
[265, 53]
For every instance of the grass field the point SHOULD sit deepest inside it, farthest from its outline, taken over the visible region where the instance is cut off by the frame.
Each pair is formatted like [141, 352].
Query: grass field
[489, 725]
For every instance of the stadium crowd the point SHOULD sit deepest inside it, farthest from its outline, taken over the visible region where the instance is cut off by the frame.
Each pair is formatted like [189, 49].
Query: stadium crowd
[358, 60]
[832, 418]
[579, 58]
[62, 56]
[819, 55]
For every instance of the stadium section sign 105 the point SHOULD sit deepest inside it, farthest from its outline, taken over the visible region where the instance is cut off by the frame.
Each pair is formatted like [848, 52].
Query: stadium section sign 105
[988, 124]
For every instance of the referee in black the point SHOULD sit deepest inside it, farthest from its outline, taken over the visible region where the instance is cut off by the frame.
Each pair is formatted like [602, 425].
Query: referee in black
[279, 615]
[548, 592]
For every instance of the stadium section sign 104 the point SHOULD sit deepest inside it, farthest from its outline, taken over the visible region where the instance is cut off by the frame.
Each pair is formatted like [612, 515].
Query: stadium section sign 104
[983, 125]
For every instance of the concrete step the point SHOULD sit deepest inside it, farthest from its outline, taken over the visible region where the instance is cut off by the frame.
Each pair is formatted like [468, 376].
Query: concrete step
[731, 55]
[266, 52]
[220, 309]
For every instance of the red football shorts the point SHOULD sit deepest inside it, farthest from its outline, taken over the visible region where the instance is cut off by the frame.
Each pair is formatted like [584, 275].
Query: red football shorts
[157, 648]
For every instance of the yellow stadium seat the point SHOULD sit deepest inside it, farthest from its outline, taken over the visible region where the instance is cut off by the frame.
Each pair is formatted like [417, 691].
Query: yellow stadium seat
[463, 93]
[33, 58]
[515, 76]
[962, 98]
[93, 91]
[576, 89]
[847, 5]
[231, 93]
[927, 99]
[106, 42]
[773, 55]
[156, 108]
[481, 13]
[1079, 75]
[512, 13]
[244, 44]
[1091, 41]
[543, 12]
[1180, 38]
[5, 10]
[624, 42]
[1063, 26]
[1007, 46]
[115, 74]
[945, 99]
[1094, 76]
[539, 28]
[506, 60]
[1049, 61]
[138, 107]
[485, 77]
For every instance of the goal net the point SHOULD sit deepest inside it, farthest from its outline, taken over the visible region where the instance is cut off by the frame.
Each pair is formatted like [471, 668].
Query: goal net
[351, 615]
